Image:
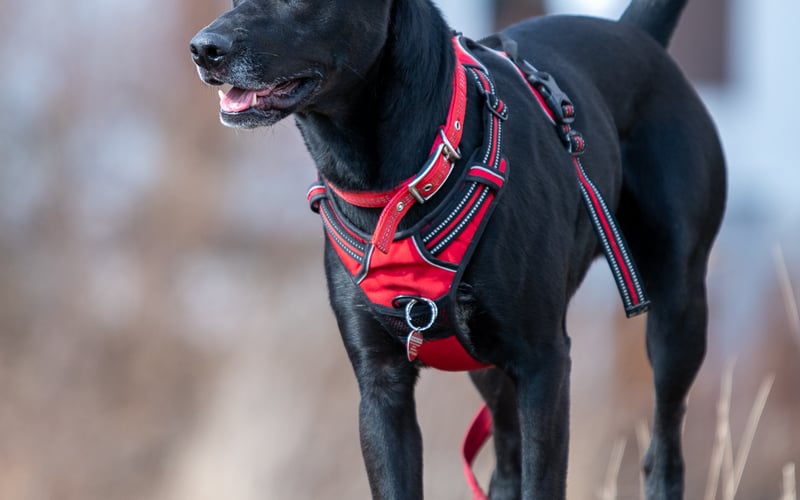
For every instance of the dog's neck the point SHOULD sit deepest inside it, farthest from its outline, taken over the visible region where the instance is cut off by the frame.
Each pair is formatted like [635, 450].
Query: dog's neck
[383, 131]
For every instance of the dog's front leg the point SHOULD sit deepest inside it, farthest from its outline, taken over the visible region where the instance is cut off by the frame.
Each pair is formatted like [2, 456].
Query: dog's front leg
[542, 381]
[391, 441]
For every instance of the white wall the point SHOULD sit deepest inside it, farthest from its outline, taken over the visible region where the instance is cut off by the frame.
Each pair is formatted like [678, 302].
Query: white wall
[601, 8]
[474, 18]
[757, 114]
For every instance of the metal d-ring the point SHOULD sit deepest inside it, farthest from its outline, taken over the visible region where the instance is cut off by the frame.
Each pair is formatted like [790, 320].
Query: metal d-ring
[434, 313]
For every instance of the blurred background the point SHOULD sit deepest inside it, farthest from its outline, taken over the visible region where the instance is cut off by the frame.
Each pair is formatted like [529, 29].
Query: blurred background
[164, 327]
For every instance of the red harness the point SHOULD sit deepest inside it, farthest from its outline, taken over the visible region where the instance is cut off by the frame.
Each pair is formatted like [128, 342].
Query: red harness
[409, 276]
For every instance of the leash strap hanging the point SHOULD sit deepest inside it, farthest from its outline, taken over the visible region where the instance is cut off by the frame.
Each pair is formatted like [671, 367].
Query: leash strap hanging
[614, 247]
[561, 112]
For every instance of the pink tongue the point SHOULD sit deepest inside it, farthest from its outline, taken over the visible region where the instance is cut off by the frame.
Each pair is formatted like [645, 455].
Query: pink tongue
[236, 100]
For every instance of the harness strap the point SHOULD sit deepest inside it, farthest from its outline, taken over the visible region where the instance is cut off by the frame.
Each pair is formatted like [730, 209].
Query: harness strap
[420, 188]
[561, 112]
[614, 247]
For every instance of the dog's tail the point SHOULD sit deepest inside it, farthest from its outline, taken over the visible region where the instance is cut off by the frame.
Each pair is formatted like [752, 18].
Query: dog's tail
[656, 17]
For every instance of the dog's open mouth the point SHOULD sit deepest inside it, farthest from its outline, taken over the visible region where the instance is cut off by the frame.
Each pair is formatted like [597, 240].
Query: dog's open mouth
[254, 107]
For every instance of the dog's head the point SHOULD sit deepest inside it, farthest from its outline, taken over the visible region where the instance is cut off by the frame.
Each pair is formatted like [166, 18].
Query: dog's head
[285, 56]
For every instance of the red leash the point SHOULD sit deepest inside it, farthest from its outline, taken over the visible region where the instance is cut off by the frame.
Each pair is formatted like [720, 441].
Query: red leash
[477, 435]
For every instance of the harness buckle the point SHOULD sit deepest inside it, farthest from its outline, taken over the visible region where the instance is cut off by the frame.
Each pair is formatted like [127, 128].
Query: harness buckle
[449, 153]
[575, 143]
[557, 100]
[496, 106]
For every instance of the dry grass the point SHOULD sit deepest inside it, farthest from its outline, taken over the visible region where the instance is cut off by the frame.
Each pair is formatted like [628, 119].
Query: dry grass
[643, 439]
[790, 301]
[609, 491]
[722, 434]
[789, 483]
[787, 293]
[727, 467]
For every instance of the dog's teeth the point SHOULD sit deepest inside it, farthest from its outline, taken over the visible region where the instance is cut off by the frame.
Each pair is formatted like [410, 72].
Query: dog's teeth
[255, 101]
[221, 94]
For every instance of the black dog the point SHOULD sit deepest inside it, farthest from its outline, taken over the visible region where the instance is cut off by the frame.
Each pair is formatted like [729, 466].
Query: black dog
[369, 83]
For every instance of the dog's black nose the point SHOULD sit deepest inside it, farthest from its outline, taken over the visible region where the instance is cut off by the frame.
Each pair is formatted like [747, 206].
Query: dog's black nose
[209, 49]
